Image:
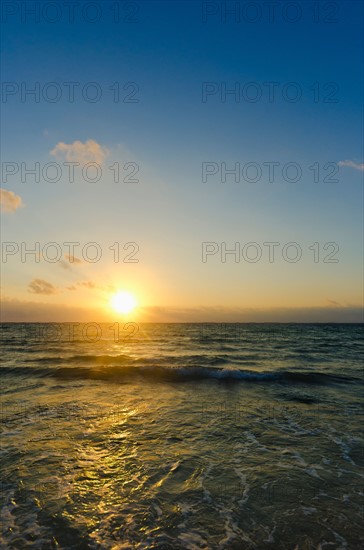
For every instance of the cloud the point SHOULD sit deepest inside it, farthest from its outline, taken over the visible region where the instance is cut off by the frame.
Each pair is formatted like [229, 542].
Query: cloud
[70, 260]
[92, 286]
[14, 310]
[334, 303]
[9, 201]
[39, 286]
[63, 264]
[73, 259]
[329, 314]
[72, 287]
[87, 284]
[352, 164]
[90, 151]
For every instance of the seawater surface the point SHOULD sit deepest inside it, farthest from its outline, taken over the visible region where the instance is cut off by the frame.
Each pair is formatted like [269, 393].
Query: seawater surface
[173, 436]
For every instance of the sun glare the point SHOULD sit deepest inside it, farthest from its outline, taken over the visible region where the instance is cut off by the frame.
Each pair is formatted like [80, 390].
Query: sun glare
[123, 302]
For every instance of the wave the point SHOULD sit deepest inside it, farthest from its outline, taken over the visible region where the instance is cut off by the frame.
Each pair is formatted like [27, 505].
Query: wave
[189, 360]
[159, 372]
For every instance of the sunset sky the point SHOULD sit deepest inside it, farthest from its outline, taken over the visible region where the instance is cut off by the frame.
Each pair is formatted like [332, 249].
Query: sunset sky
[161, 131]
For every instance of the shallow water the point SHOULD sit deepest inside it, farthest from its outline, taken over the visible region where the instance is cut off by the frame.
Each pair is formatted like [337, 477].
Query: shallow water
[182, 436]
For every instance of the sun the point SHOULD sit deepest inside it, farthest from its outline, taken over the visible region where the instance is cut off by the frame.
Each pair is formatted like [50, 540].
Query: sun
[123, 302]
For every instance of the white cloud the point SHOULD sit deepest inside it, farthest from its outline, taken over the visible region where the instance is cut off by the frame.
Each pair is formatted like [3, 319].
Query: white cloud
[90, 151]
[9, 201]
[352, 164]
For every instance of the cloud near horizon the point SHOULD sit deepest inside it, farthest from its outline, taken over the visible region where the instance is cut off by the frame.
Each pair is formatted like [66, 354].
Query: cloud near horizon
[9, 201]
[352, 164]
[89, 151]
[14, 310]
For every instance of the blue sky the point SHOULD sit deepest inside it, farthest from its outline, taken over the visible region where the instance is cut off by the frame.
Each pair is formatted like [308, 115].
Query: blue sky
[169, 52]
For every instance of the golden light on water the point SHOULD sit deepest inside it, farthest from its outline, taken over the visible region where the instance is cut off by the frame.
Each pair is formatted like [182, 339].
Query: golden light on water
[123, 302]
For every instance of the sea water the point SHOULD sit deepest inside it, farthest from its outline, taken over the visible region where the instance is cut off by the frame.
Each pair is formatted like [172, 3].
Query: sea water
[173, 436]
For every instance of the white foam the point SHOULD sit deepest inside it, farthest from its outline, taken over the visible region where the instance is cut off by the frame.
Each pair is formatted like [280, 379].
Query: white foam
[308, 510]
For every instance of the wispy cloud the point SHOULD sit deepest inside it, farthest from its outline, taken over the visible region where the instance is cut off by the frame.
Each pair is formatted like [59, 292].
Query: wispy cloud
[89, 151]
[334, 303]
[94, 286]
[40, 286]
[73, 259]
[88, 284]
[64, 265]
[9, 201]
[352, 164]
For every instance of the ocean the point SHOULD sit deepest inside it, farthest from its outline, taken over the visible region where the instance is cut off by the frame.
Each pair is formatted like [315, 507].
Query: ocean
[182, 436]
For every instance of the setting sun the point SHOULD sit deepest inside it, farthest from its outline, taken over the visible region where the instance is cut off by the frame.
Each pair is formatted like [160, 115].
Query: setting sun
[123, 302]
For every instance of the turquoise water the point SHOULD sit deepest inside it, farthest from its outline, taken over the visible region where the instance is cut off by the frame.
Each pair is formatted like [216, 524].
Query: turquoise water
[182, 436]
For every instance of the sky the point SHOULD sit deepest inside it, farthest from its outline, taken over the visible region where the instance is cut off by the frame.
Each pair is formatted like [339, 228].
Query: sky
[206, 157]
